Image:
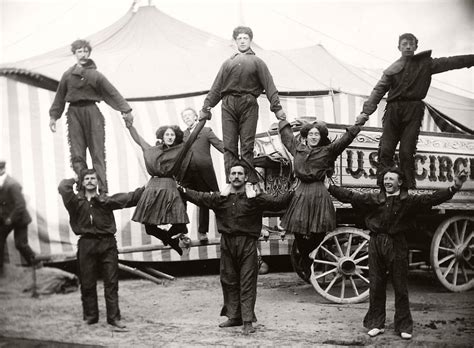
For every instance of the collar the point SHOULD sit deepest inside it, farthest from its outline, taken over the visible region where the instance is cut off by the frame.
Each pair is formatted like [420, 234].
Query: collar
[249, 51]
[190, 129]
[383, 195]
[78, 70]
[3, 178]
[393, 194]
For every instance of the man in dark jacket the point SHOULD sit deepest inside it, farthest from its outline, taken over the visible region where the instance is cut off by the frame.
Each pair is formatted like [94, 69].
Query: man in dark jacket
[239, 220]
[407, 82]
[13, 216]
[389, 216]
[200, 174]
[82, 86]
[91, 217]
[239, 82]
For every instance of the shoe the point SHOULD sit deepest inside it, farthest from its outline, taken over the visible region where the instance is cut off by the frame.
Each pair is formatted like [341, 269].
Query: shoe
[231, 322]
[202, 236]
[374, 332]
[91, 321]
[248, 328]
[118, 324]
[406, 335]
[174, 244]
[184, 241]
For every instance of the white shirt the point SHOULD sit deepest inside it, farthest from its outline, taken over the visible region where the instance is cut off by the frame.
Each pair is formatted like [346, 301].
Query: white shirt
[2, 179]
[192, 127]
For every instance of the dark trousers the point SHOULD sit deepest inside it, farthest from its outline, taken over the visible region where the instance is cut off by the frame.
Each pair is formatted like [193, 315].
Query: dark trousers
[388, 257]
[306, 244]
[21, 242]
[98, 255]
[401, 123]
[239, 120]
[239, 272]
[195, 181]
[86, 130]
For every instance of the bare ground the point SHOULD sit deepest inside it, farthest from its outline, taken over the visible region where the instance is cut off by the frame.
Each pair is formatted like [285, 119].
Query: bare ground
[185, 312]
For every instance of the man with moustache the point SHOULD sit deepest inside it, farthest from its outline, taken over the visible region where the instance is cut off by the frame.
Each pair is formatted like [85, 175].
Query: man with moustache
[200, 174]
[239, 82]
[389, 216]
[92, 219]
[239, 213]
[82, 86]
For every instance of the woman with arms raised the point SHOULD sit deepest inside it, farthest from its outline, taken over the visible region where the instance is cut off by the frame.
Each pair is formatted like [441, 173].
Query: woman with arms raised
[161, 203]
[311, 213]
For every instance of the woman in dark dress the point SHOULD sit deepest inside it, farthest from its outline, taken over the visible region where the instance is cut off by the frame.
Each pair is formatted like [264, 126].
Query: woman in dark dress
[161, 203]
[311, 213]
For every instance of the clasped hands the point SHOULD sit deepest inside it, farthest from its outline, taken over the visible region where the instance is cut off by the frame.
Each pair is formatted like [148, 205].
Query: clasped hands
[128, 119]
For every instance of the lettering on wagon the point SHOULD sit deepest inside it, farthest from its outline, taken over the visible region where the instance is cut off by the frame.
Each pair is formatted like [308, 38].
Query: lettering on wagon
[434, 168]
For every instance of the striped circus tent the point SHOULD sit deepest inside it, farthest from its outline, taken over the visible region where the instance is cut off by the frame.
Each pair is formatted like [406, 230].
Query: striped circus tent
[39, 159]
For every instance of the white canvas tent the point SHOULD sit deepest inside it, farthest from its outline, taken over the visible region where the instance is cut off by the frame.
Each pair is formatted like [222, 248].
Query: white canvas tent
[161, 66]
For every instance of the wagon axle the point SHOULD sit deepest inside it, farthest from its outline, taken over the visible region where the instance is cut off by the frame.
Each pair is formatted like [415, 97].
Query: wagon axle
[346, 266]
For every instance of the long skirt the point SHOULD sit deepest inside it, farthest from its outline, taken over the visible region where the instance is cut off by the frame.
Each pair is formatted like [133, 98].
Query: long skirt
[310, 211]
[161, 204]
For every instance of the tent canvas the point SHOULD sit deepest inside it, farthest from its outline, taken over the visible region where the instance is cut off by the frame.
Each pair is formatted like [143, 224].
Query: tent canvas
[155, 62]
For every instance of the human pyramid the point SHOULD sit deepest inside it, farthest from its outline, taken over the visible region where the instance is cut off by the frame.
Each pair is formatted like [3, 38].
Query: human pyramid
[181, 170]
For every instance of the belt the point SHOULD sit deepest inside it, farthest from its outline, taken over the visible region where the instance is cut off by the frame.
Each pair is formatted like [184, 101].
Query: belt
[403, 100]
[97, 235]
[82, 103]
[238, 95]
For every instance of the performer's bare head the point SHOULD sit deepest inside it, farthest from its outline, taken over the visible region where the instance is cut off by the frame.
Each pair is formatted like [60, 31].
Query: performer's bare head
[78, 44]
[315, 134]
[189, 116]
[82, 50]
[89, 180]
[243, 37]
[407, 44]
[238, 176]
[170, 135]
[393, 179]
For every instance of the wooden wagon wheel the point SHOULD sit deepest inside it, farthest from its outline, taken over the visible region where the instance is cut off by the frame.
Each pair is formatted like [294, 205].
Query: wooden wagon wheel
[340, 269]
[452, 249]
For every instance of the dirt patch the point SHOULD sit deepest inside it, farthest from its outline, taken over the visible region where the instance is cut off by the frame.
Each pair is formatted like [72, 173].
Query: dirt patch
[184, 312]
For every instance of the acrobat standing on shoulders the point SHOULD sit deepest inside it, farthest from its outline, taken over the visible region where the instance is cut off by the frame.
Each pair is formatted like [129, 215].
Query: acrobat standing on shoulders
[82, 86]
[407, 82]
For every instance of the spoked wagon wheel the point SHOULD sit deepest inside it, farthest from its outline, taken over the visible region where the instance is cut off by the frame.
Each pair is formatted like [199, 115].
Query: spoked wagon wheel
[298, 264]
[340, 271]
[452, 251]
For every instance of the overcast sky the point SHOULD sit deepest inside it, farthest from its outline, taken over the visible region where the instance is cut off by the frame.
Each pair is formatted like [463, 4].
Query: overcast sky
[362, 32]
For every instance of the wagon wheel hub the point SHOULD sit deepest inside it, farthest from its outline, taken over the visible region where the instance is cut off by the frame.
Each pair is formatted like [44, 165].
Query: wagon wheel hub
[463, 253]
[346, 266]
